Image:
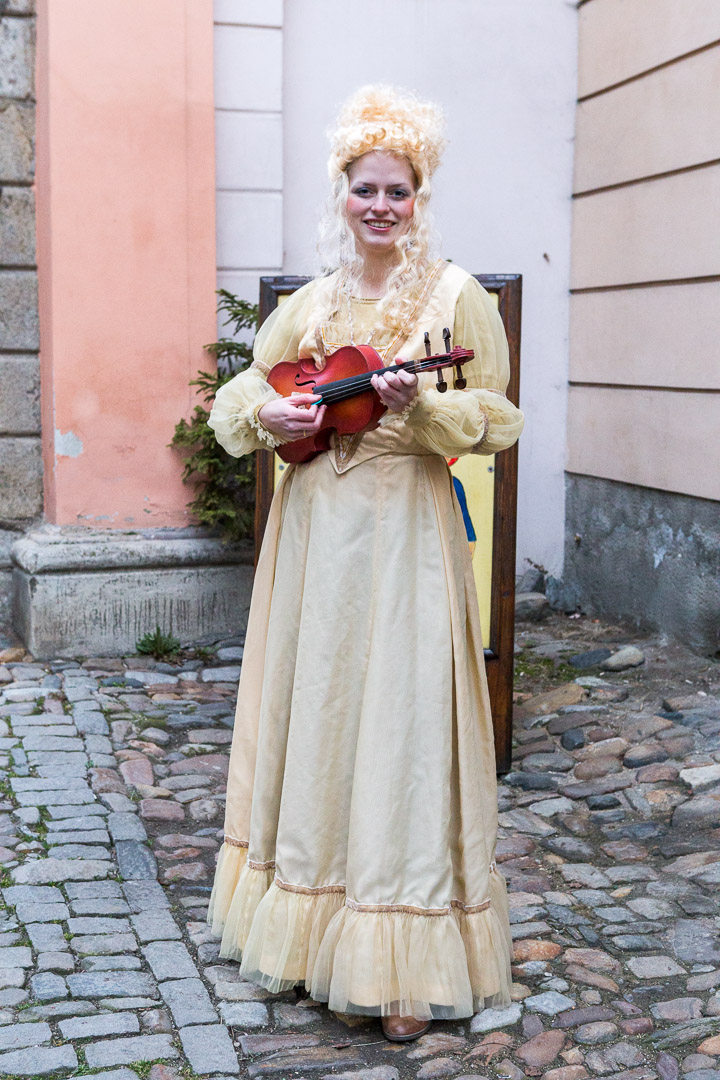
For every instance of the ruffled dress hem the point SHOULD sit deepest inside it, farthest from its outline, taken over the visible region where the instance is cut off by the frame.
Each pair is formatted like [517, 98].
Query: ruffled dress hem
[370, 959]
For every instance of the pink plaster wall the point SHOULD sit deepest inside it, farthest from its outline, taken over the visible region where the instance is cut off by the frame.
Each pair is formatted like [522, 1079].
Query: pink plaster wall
[126, 250]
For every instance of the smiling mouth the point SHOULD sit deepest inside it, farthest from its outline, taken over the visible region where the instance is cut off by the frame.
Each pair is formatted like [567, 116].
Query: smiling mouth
[381, 226]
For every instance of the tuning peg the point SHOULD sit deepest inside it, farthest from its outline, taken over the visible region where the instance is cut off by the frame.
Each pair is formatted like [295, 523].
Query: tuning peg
[426, 339]
[441, 384]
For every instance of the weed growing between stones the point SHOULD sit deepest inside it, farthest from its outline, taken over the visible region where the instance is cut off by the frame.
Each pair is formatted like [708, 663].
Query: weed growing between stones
[142, 1068]
[82, 1068]
[539, 673]
[143, 722]
[204, 654]
[158, 644]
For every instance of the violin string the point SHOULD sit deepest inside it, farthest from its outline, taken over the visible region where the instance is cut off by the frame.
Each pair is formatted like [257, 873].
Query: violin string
[341, 393]
[366, 376]
[344, 388]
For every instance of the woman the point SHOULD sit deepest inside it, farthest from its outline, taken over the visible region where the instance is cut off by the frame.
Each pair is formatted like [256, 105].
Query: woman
[361, 814]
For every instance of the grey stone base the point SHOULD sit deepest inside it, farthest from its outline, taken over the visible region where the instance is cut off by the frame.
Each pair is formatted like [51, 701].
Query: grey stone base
[649, 557]
[78, 592]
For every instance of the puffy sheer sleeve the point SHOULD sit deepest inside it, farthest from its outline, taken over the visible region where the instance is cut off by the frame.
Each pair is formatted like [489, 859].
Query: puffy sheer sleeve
[233, 416]
[480, 419]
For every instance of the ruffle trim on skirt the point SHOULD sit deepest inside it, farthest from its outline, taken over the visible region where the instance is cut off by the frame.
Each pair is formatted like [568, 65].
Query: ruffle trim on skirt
[378, 962]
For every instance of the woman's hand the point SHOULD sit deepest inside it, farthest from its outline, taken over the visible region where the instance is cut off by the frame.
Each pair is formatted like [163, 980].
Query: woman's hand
[396, 389]
[292, 418]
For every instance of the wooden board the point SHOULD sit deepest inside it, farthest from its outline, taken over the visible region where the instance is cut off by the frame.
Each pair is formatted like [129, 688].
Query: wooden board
[491, 489]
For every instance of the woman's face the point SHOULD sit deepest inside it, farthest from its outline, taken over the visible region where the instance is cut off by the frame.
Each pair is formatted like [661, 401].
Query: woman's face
[380, 201]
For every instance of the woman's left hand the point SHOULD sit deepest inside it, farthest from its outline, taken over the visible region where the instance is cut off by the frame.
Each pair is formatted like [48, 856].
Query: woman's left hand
[396, 389]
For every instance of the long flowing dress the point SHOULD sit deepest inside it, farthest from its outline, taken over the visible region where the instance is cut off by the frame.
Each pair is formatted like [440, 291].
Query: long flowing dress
[361, 812]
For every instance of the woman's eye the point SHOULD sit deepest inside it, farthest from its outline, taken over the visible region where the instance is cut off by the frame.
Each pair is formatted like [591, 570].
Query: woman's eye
[400, 194]
[361, 191]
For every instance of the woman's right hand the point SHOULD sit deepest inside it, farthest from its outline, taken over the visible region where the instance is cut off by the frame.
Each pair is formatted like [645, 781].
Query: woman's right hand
[292, 418]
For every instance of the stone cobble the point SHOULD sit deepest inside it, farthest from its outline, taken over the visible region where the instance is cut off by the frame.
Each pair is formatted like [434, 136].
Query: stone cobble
[113, 787]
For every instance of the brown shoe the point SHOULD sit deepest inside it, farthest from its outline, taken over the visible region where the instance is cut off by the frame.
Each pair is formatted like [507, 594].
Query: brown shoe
[404, 1028]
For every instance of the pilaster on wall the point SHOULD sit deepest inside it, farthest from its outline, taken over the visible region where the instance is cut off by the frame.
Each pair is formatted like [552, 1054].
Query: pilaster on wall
[248, 142]
[644, 380]
[644, 401]
[126, 258]
[125, 251]
[20, 456]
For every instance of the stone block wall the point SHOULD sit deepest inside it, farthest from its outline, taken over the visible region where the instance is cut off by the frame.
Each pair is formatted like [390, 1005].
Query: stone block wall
[651, 558]
[21, 490]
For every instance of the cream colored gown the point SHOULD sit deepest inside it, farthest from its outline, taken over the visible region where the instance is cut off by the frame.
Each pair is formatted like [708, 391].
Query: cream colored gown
[361, 815]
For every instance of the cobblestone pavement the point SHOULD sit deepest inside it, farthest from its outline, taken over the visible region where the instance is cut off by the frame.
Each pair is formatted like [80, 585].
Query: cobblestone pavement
[113, 777]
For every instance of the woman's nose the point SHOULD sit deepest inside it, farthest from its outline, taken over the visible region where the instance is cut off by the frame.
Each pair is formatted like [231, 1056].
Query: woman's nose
[380, 203]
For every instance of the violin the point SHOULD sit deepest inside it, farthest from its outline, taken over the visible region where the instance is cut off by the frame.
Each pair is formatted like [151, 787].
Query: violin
[344, 386]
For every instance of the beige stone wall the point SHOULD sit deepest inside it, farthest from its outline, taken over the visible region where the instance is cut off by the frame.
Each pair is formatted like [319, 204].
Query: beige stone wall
[644, 405]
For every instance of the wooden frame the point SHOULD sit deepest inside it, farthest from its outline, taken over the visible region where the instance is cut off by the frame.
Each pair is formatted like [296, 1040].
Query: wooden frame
[499, 654]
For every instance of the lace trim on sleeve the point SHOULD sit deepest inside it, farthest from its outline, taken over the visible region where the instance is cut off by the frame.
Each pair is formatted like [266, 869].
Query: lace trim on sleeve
[486, 426]
[259, 428]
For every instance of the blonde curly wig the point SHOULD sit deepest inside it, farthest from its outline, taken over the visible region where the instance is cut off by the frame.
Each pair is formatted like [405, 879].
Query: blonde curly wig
[385, 118]
[389, 120]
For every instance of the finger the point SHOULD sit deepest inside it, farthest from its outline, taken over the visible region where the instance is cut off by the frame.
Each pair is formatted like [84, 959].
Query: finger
[308, 420]
[303, 417]
[401, 380]
[319, 419]
[388, 381]
[307, 413]
[306, 423]
[303, 399]
[380, 386]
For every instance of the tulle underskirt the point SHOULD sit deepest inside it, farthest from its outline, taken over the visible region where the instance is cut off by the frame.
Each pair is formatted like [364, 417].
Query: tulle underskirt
[431, 966]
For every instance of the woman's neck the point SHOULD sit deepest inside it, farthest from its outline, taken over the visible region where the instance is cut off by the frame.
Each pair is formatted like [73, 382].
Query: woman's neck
[376, 270]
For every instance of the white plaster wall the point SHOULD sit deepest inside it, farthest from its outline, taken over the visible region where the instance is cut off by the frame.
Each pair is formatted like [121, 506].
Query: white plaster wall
[505, 72]
[248, 143]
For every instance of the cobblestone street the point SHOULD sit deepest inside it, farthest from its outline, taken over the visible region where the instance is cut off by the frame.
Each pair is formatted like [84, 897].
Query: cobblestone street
[113, 775]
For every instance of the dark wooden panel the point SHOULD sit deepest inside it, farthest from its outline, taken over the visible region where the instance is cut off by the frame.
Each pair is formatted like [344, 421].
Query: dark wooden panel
[499, 655]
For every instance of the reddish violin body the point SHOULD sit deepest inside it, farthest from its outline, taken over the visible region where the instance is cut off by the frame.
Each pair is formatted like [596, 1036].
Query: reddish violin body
[358, 412]
[345, 387]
